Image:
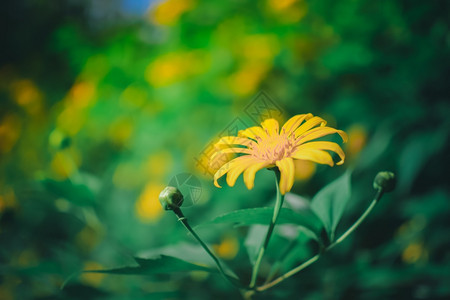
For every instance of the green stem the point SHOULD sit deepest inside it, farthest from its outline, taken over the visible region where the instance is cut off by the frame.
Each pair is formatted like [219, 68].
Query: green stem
[262, 249]
[359, 221]
[279, 263]
[185, 223]
[317, 256]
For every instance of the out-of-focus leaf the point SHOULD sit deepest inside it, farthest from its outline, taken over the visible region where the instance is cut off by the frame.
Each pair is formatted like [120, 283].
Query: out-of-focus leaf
[78, 194]
[416, 153]
[158, 265]
[186, 251]
[304, 217]
[329, 203]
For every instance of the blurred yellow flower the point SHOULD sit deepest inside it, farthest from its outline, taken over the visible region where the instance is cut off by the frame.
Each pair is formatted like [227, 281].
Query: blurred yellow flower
[304, 169]
[248, 78]
[71, 120]
[7, 199]
[10, 127]
[228, 248]
[158, 164]
[414, 252]
[120, 131]
[289, 11]
[92, 279]
[65, 163]
[27, 95]
[82, 94]
[266, 146]
[259, 47]
[133, 97]
[147, 207]
[173, 67]
[357, 140]
[6, 292]
[87, 239]
[168, 12]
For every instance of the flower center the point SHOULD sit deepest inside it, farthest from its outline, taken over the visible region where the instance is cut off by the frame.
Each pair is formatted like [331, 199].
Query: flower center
[273, 147]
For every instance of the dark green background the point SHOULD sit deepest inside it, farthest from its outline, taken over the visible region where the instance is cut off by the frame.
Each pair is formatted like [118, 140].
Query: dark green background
[75, 92]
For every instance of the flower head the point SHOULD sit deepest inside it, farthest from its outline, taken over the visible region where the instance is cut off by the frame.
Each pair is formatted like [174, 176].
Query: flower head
[267, 146]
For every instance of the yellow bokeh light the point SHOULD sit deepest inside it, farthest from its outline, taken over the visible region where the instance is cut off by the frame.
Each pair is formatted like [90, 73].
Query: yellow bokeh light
[158, 164]
[260, 47]
[133, 97]
[27, 95]
[247, 79]
[279, 5]
[357, 139]
[82, 94]
[120, 131]
[71, 120]
[414, 252]
[288, 11]
[304, 169]
[176, 66]
[92, 279]
[10, 127]
[87, 239]
[168, 12]
[147, 207]
[228, 248]
[7, 199]
[65, 163]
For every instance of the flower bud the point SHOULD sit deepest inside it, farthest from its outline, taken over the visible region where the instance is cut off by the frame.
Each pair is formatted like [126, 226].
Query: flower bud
[385, 181]
[171, 198]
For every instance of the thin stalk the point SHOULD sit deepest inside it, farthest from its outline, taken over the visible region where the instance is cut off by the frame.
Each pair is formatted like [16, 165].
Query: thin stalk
[185, 223]
[262, 249]
[317, 256]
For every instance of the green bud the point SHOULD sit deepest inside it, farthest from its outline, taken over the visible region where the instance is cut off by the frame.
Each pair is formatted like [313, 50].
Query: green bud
[171, 198]
[385, 181]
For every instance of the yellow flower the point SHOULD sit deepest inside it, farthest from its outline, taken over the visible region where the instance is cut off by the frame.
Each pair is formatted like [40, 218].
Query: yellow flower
[266, 146]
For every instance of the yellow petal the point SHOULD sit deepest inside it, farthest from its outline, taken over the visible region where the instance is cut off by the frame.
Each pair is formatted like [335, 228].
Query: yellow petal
[234, 173]
[286, 167]
[226, 168]
[249, 174]
[309, 124]
[318, 156]
[271, 126]
[253, 133]
[227, 141]
[324, 146]
[220, 153]
[320, 132]
[294, 122]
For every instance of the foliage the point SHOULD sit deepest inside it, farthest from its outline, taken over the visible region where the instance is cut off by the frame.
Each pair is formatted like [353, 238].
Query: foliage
[103, 103]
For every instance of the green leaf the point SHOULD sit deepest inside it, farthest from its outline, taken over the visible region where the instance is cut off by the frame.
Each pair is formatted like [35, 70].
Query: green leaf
[329, 203]
[158, 265]
[253, 241]
[81, 193]
[187, 252]
[304, 217]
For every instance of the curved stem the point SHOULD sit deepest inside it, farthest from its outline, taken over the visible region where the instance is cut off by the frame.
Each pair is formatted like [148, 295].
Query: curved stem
[359, 221]
[185, 223]
[262, 249]
[317, 256]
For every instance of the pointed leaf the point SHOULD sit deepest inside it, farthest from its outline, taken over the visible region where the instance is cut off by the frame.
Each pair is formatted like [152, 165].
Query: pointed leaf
[304, 217]
[329, 203]
[158, 265]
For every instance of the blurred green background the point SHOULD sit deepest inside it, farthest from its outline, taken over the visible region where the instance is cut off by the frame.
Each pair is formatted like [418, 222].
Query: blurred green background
[103, 102]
